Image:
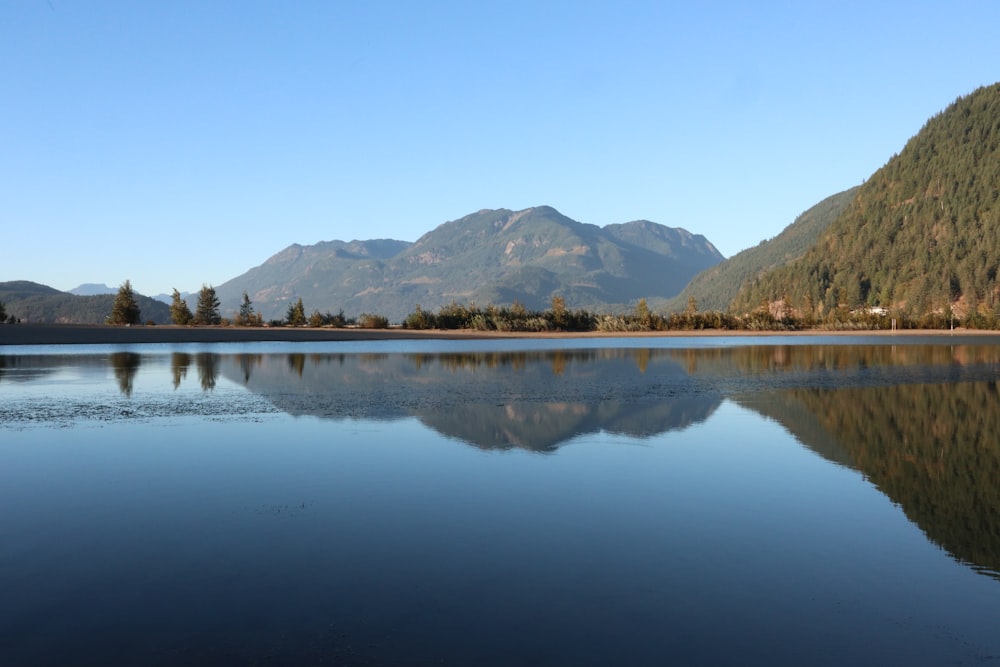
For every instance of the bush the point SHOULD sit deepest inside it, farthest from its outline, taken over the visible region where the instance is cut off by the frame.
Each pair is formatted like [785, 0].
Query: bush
[316, 319]
[419, 319]
[370, 321]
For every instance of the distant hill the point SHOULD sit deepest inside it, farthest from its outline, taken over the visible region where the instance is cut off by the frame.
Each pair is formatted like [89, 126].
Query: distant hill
[91, 289]
[715, 288]
[32, 302]
[491, 256]
[921, 235]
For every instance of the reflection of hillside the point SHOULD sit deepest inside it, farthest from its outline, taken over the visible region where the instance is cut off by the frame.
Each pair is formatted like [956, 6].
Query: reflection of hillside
[931, 448]
[537, 400]
[800, 420]
[532, 400]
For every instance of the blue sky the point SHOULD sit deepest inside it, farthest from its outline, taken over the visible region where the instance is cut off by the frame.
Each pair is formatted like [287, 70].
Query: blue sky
[181, 143]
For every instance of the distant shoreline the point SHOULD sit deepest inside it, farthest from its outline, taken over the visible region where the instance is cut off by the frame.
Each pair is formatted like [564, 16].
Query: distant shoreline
[72, 334]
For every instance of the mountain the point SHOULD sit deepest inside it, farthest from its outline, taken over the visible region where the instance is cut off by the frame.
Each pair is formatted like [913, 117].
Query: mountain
[715, 288]
[32, 302]
[91, 289]
[920, 236]
[491, 256]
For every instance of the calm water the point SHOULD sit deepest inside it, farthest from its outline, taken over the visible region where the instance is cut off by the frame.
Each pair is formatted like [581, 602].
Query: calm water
[703, 502]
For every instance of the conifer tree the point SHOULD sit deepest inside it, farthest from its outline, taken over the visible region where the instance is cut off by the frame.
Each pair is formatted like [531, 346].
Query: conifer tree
[207, 311]
[642, 314]
[179, 311]
[246, 317]
[124, 310]
[296, 315]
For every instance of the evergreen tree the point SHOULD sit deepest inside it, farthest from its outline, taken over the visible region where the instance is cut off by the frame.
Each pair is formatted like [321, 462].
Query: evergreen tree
[179, 311]
[3, 313]
[296, 315]
[246, 317]
[207, 311]
[124, 310]
[642, 314]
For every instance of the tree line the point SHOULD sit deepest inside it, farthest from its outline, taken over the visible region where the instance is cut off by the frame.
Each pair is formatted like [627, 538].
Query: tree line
[557, 318]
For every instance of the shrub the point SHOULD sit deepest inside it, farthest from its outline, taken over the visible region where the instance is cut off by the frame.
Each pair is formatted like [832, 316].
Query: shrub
[370, 321]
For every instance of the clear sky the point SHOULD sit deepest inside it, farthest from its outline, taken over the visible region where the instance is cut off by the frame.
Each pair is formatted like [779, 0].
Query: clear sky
[181, 143]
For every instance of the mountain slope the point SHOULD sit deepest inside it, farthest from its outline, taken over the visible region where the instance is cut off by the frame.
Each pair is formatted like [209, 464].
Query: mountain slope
[922, 234]
[491, 256]
[32, 302]
[716, 287]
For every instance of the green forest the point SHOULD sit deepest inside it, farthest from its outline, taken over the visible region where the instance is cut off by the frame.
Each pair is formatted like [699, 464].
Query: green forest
[921, 236]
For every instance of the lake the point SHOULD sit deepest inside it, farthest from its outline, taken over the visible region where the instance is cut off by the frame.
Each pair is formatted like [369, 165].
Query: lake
[709, 501]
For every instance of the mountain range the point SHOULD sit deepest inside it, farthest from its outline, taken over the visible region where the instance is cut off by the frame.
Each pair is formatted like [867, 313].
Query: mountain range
[491, 256]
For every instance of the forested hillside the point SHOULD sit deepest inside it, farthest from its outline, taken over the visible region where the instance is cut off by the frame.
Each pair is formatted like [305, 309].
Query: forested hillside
[716, 287]
[36, 303]
[922, 235]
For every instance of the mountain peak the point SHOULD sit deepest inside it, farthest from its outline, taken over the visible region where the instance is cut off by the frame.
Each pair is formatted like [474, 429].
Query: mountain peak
[90, 289]
[491, 256]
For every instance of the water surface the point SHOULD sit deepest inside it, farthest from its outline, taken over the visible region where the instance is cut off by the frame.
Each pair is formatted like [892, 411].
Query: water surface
[501, 503]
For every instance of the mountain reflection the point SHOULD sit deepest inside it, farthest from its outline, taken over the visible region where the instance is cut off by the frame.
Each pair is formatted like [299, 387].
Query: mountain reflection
[539, 400]
[931, 448]
[919, 421]
[493, 400]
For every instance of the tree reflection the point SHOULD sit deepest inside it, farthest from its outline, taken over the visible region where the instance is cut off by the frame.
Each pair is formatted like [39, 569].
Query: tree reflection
[208, 369]
[247, 364]
[125, 366]
[179, 364]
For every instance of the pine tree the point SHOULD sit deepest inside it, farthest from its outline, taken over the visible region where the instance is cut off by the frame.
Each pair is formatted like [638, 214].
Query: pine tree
[124, 310]
[246, 317]
[296, 315]
[207, 311]
[3, 313]
[179, 311]
[642, 314]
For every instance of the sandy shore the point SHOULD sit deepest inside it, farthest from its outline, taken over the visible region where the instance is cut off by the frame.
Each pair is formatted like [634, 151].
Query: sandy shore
[57, 334]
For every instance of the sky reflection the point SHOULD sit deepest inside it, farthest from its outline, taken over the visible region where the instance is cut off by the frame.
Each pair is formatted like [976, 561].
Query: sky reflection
[701, 507]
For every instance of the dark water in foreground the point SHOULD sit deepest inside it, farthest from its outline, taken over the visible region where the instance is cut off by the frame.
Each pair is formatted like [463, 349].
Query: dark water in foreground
[332, 505]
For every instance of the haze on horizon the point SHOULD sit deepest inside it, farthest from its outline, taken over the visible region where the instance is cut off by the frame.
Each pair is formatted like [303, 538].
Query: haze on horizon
[181, 144]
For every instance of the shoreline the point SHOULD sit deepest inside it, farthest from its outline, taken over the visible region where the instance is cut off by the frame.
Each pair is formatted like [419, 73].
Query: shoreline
[75, 334]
